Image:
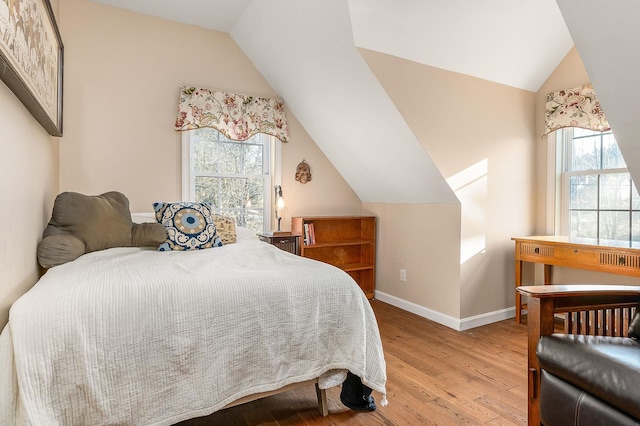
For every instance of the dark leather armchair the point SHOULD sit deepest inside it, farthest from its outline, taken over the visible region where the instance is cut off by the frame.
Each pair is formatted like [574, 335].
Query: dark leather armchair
[589, 373]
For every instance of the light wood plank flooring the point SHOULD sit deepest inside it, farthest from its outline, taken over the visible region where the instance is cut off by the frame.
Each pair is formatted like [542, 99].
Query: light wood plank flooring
[436, 376]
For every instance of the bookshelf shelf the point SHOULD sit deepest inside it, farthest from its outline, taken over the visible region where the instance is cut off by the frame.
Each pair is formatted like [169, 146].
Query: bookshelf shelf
[357, 267]
[347, 242]
[342, 243]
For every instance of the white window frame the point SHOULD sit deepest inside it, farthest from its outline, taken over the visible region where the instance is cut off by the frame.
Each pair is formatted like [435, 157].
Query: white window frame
[553, 222]
[272, 174]
[558, 192]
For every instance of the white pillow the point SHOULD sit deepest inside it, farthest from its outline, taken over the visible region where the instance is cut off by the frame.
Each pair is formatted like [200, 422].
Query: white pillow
[143, 217]
[243, 233]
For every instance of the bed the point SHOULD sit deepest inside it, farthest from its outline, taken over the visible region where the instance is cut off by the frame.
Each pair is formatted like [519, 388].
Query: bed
[132, 335]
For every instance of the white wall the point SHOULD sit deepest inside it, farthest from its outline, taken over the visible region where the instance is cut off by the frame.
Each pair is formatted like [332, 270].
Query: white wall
[29, 164]
[424, 240]
[480, 135]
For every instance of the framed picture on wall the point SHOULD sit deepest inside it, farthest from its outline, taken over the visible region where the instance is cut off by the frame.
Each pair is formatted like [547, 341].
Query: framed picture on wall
[31, 59]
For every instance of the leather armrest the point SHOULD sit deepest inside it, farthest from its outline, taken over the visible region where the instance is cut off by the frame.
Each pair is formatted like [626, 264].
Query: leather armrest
[605, 367]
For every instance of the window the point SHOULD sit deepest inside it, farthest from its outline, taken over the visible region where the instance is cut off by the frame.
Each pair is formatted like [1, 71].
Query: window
[599, 199]
[235, 177]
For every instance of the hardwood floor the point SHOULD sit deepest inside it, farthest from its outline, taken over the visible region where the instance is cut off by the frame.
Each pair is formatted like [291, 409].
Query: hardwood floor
[435, 376]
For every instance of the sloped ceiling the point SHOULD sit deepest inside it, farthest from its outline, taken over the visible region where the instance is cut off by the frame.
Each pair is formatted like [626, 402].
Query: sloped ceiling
[335, 96]
[307, 51]
[517, 43]
[219, 15]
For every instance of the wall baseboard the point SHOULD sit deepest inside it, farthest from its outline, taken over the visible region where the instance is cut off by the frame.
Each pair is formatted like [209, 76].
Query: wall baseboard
[446, 320]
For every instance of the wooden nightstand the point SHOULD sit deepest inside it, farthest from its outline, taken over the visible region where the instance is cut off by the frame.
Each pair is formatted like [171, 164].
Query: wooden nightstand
[283, 242]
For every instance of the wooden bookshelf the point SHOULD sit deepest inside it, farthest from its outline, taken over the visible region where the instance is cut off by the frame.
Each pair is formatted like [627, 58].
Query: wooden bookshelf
[347, 242]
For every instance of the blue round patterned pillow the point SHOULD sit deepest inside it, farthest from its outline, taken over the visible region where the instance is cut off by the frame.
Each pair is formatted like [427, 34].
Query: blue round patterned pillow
[190, 226]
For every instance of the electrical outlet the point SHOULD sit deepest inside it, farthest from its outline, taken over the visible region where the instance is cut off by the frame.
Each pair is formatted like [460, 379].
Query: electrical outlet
[403, 275]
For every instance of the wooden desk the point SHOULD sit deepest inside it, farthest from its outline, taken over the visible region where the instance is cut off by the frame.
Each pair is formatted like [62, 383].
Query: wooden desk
[614, 257]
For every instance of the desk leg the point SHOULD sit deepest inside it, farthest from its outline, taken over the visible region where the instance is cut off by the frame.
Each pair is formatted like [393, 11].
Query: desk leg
[547, 274]
[518, 295]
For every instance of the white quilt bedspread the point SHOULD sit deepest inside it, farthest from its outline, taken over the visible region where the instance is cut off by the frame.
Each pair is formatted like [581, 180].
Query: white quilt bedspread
[140, 337]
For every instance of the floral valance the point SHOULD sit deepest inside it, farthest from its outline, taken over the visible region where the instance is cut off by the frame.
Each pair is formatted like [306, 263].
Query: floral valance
[577, 107]
[238, 117]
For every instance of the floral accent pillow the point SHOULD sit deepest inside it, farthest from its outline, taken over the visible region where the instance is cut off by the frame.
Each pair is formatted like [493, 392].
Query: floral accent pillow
[226, 227]
[190, 226]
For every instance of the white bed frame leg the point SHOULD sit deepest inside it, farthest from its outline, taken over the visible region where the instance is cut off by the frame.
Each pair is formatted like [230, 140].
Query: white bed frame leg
[322, 401]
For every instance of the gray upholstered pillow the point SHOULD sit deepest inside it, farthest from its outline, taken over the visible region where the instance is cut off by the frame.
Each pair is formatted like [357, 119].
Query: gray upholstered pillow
[81, 224]
[57, 249]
